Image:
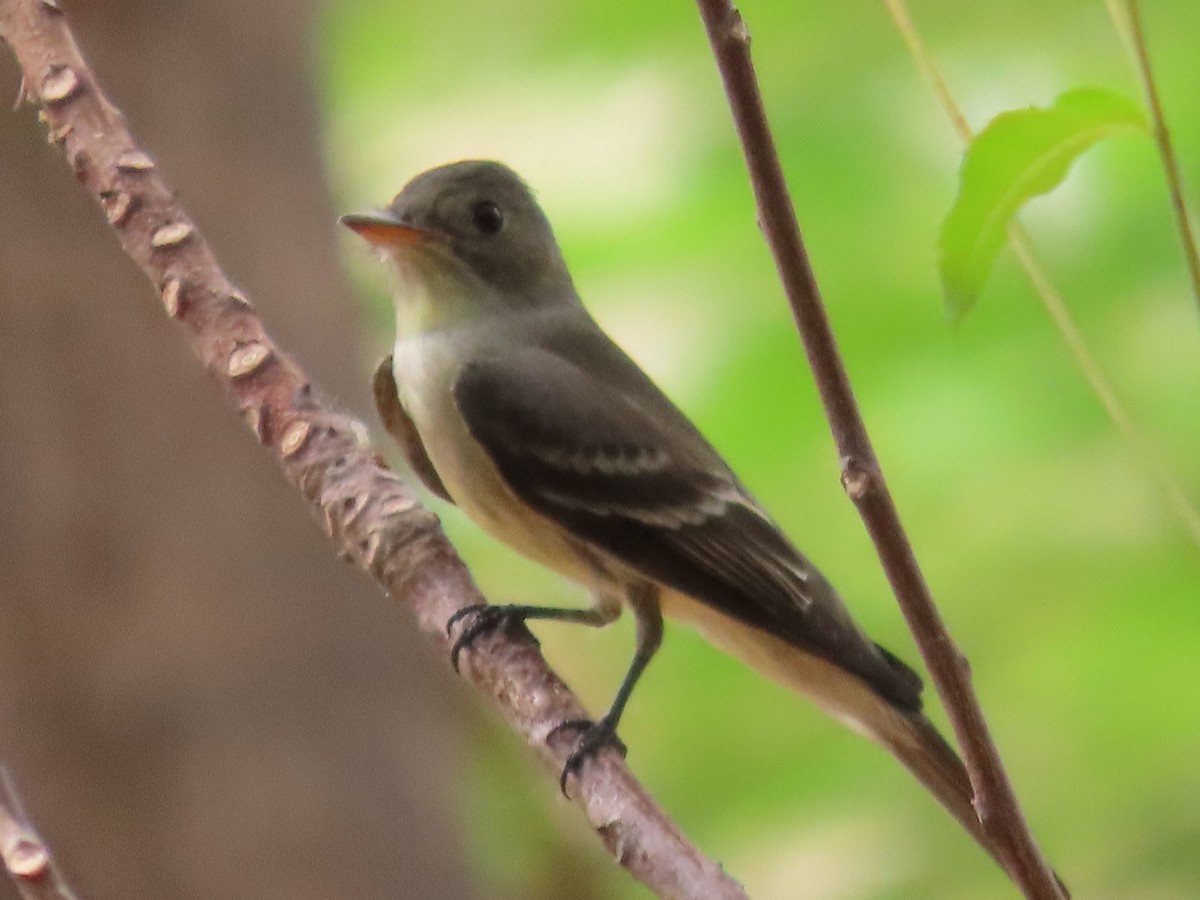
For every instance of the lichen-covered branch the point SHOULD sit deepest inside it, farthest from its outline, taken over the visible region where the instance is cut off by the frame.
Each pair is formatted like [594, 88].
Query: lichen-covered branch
[861, 474]
[370, 514]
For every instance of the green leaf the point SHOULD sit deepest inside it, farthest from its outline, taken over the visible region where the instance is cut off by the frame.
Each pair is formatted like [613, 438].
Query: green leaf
[1019, 155]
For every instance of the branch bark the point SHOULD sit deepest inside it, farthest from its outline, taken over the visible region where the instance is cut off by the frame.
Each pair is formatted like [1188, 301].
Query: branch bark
[861, 474]
[26, 857]
[369, 513]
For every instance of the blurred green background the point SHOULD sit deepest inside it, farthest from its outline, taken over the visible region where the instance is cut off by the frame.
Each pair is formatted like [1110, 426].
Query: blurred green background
[1063, 574]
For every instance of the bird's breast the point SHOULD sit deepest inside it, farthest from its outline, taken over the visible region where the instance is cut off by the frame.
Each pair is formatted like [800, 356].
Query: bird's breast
[425, 368]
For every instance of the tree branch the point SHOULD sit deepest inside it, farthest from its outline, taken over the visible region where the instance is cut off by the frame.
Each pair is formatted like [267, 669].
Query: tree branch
[861, 475]
[1136, 36]
[369, 513]
[26, 857]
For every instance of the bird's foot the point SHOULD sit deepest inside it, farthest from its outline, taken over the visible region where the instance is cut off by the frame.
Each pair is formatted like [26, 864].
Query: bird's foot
[594, 737]
[484, 619]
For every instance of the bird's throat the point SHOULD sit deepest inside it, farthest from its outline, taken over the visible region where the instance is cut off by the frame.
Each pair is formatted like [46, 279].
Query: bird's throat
[431, 291]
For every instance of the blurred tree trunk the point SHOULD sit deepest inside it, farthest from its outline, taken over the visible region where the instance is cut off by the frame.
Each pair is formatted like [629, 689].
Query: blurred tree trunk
[196, 698]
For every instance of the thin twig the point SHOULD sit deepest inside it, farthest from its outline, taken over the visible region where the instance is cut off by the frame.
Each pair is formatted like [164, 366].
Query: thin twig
[26, 857]
[370, 514]
[1135, 37]
[1022, 247]
[861, 474]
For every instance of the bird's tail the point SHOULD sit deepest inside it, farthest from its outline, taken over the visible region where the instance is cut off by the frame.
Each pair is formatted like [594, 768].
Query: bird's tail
[906, 734]
[922, 750]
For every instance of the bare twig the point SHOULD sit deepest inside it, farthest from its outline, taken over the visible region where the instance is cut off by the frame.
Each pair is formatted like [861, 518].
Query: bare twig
[861, 474]
[26, 857]
[1052, 302]
[1130, 28]
[370, 514]
[1022, 248]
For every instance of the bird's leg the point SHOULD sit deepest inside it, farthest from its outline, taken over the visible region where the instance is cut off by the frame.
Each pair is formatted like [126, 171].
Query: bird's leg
[487, 618]
[643, 600]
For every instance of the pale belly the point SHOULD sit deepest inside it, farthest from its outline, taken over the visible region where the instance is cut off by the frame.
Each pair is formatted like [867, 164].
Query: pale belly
[424, 372]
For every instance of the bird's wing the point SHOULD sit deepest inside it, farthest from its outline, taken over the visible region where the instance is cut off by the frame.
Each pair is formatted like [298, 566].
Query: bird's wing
[402, 429]
[623, 470]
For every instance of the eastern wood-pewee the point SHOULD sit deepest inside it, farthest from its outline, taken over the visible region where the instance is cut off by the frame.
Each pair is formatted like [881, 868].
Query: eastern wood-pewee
[510, 402]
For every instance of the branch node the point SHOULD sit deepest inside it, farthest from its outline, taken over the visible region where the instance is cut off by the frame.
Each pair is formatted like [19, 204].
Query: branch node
[117, 206]
[344, 518]
[735, 27]
[370, 550]
[134, 161]
[360, 433]
[397, 505]
[172, 293]
[248, 358]
[171, 235]
[254, 418]
[80, 163]
[293, 438]
[613, 836]
[25, 856]
[22, 95]
[60, 83]
[857, 479]
[963, 663]
[59, 134]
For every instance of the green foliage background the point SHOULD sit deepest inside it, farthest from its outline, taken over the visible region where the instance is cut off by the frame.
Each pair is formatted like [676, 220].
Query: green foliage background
[1059, 567]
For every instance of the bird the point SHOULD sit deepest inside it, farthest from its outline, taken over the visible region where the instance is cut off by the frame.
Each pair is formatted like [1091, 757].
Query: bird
[509, 401]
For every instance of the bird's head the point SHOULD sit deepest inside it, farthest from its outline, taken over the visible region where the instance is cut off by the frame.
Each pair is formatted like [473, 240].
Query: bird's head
[468, 232]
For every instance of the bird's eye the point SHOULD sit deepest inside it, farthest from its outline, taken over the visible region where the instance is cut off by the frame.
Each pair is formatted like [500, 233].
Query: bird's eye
[487, 217]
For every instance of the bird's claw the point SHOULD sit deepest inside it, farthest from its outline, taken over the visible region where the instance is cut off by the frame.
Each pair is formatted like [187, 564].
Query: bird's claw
[595, 736]
[485, 618]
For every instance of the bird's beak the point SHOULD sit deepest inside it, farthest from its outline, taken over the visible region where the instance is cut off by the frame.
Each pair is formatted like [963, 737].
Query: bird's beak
[383, 229]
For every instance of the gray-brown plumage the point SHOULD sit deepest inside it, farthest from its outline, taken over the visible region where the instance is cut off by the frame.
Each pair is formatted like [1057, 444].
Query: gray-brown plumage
[511, 401]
